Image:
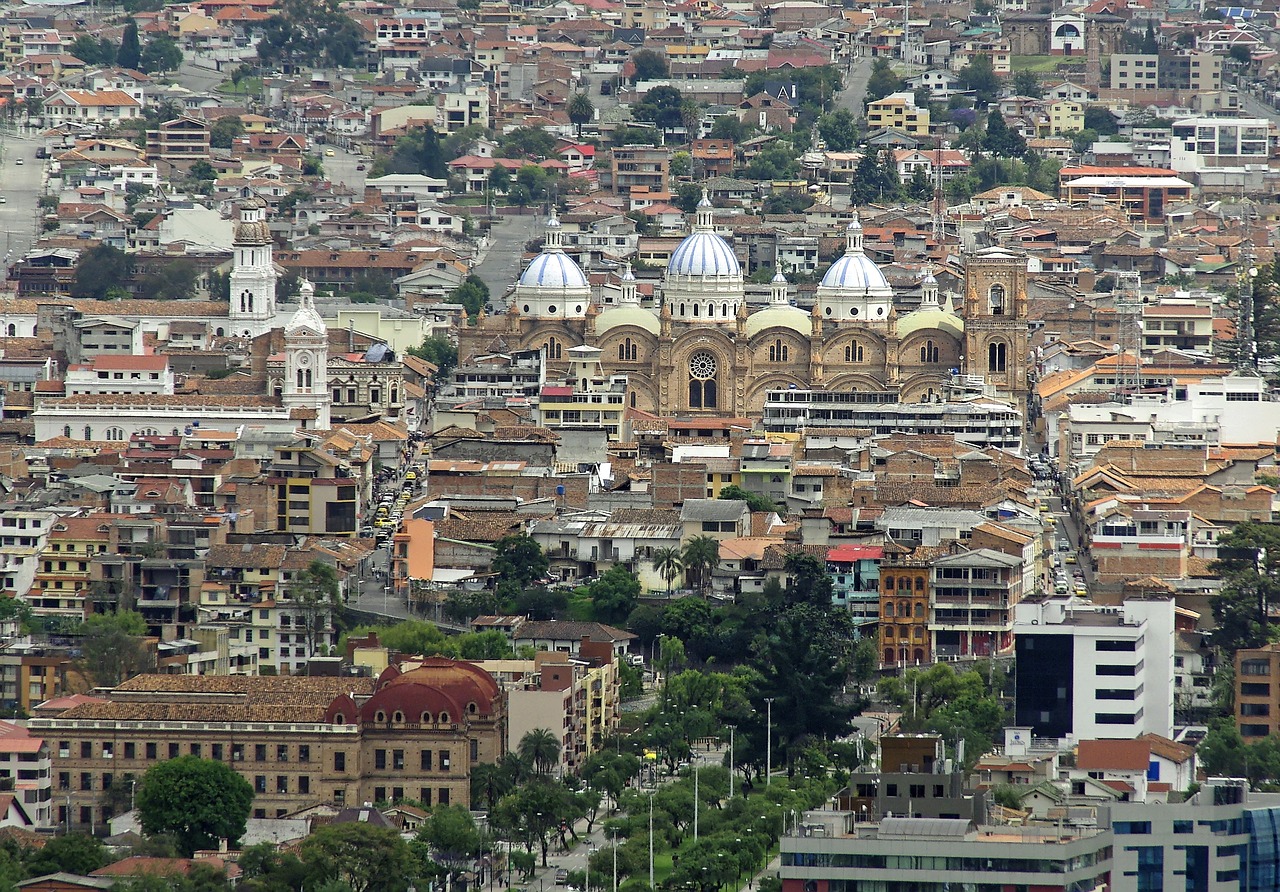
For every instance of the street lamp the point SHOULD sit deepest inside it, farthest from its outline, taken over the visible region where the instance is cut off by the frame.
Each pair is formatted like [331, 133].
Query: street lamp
[650, 835]
[731, 761]
[695, 801]
[768, 741]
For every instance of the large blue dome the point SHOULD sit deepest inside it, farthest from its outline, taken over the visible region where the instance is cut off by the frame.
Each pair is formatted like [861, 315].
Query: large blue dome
[704, 254]
[554, 269]
[858, 274]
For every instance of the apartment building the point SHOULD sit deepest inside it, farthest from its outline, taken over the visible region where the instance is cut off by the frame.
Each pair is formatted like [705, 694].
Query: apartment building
[641, 169]
[1257, 691]
[1193, 72]
[1200, 143]
[587, 397]
[182, 140]
[973, 593]
[22, 539]
[26, 767]
[1093, 672]
[898, 111]
[413, 732]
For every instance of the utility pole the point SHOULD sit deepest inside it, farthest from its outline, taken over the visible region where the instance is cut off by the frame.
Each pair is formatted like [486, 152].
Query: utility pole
[731, 761]
[695, 799]
[768, 741]
[651, 886]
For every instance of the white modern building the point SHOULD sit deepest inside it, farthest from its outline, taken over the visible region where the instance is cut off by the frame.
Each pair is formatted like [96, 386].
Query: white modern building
[1200, 143]
[1093, 672]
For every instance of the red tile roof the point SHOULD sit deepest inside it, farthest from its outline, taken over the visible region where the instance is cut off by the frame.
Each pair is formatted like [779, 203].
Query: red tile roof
[1119, 755]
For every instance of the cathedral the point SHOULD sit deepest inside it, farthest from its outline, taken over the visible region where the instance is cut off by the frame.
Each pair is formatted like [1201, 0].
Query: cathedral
[700, 351]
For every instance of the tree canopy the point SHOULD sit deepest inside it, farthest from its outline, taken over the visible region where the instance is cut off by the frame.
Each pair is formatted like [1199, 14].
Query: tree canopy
[196, 802]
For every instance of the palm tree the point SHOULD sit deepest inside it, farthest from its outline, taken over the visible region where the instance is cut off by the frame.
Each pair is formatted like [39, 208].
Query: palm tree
[489, 783]
[580, 110]
[668, 562]
[540, 748]
[702, 555]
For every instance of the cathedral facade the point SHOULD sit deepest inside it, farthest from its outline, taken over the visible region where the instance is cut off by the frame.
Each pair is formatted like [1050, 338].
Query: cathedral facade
[702, 352]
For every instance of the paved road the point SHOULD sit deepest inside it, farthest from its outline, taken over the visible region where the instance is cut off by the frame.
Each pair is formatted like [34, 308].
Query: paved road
[341, 168]
[21, 186]
[855, 87]
[503, 258]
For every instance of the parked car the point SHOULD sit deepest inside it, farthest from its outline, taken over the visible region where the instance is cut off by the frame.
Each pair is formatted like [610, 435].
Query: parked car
[562, 876]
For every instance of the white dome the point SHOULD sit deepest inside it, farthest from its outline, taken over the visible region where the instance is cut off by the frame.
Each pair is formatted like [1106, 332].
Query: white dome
[857, 273]
[554, 269]
[704, 254]
[779, 316]
[628, 314]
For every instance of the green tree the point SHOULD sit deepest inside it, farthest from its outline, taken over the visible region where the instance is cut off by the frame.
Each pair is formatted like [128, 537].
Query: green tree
[580, 111]
[225, 130]
[650, 65]
[500, 179]
[175, 280]
[75, 853]
[130, 53]
[1000, 140]
[883, 80]
[452, 835]
[1100, 120]
[161, 54]
[701, 555]
[1240, 54]
[979, 77]
[669, 562]
[527, 142]
[365, 857]
[100, 269]
[317, 594]
[489, 783]
[838, 130]
[440, 352]
[94, 50]
[1249, 566]
[614, 594]
[195, 801]
[314, 33]
[755, 501]
[1027, 83]
[919, 187]
[112, 647]
[729, 126]
[519, 560]
[541, 749]
[418, 151]
[661, 107]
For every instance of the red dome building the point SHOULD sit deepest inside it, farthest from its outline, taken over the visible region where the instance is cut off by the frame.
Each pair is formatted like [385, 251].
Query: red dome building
[422, 729]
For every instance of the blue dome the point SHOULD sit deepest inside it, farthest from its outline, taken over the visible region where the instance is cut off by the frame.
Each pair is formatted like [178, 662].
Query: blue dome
[704, 254]
[856, 272]
[554, 269]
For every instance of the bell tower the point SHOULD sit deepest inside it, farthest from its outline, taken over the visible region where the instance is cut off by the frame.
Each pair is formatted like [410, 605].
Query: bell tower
[253, 272]
[306, 372]
[996, 329]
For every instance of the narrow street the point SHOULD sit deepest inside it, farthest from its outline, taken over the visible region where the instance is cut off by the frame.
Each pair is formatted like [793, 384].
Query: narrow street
[504, 255]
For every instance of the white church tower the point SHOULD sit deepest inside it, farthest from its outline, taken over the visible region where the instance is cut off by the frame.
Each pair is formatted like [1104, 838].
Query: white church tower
[306, 363]
[253, 272]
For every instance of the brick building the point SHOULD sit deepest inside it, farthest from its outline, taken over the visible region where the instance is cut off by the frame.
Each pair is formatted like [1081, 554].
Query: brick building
[413, 732]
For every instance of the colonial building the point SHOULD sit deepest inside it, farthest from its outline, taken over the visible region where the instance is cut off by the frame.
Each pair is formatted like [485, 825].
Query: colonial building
[413, 732]
[699, 351]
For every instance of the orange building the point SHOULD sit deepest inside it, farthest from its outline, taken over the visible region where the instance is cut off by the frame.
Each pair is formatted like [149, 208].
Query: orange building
[904, 606]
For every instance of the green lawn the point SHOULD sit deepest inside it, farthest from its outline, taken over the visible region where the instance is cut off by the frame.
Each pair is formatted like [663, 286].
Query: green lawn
[249, 86]
[1044, 64]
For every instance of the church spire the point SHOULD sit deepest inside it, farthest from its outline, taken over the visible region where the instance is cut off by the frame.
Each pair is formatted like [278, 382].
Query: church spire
[629, 293]
[703, 221]
[778, 290]
[555, 235]
[929, 289]
[854, 234]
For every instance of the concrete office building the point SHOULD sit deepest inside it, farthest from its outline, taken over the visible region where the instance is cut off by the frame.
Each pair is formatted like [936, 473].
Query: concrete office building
[1093, 672]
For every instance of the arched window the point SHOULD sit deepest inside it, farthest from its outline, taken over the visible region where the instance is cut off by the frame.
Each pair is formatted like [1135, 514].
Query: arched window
[88, 432]
[919, 610]
[627, 351]
[888, 608]
[888, 654]
[888, 633]
[115, 434]
[66, 431]
[853, 353]
[919, 583]
[702, 381]
[888, 583]
[778, 351]
[308, 377]
[929, 352]
[697, 309]
[682, 311]
[996, 300]
[444, 718]
[380, 716]
[300, 379]
[724, 310]
[554, 348]
[397, 717]
[996, 356]
[917, 633]
[13, 330]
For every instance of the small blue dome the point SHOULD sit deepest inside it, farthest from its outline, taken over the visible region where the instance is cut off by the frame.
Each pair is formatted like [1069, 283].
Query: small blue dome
[554, 269]
[704, 254]
[856, 272]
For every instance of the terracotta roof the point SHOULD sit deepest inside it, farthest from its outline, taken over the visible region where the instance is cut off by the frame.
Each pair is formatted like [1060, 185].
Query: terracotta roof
[1168, 749]
[1118, 755]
